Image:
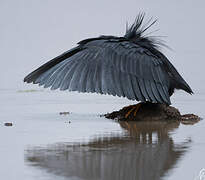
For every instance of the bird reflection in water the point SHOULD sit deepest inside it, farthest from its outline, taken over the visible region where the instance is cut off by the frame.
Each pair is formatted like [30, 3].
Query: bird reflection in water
[144, 151]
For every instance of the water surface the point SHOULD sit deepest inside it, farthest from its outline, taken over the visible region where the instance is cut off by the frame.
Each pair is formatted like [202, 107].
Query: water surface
[42, 144]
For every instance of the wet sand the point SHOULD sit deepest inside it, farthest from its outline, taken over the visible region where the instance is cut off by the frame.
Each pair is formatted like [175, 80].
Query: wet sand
[42, 144]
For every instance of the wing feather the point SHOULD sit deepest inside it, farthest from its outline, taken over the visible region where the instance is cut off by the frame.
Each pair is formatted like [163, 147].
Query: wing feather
[129, 87]
[51, 79]
[114, 80]
[43, 77]
[155, 92]
[71, 69]
[137, 90]
[83, 77]
[142, 88]
[102, 66]
[149, 91]
[161, 92]
[60, 76]
[68, 76]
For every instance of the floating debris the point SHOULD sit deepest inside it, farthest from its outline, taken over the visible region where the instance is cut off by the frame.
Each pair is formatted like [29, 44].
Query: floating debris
[29, 91]
[64, 113]
[68, 122]
[8, 124]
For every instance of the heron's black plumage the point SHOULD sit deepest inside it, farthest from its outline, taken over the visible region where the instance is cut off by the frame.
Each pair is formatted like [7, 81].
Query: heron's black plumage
[129, 66]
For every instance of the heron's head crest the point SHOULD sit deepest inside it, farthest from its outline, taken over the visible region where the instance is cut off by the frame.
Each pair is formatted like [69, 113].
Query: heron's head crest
[136, 31]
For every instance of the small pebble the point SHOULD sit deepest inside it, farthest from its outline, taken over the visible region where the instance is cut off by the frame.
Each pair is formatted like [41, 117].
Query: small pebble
[8, 124]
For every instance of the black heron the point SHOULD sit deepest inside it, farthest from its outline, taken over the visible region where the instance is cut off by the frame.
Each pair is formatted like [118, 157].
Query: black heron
[131, 66]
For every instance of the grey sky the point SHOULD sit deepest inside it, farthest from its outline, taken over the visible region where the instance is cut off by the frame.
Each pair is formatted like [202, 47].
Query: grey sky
[34, 31]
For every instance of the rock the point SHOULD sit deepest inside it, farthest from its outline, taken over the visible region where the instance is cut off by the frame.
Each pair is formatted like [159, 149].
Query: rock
[190, 119]
[151, 112]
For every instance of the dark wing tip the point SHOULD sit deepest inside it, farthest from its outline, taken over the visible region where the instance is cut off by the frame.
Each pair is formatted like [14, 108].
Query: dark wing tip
[28, 78]
[190, 91]
[45, 67]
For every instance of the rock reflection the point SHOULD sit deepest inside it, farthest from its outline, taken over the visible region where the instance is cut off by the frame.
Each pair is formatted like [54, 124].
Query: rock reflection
[144, 151]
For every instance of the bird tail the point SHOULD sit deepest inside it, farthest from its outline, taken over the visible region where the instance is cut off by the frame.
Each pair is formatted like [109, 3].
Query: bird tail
[33, 76]
[183, 85]
[177, 81]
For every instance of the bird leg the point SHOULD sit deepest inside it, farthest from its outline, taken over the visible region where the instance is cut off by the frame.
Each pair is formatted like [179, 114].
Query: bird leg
[135, 108]
[129, 112]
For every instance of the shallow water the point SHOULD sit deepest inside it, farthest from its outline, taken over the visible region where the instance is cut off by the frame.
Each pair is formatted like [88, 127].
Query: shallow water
[42, 144]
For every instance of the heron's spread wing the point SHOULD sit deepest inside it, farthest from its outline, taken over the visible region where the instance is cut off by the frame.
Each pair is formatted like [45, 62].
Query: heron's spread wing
[108, 67]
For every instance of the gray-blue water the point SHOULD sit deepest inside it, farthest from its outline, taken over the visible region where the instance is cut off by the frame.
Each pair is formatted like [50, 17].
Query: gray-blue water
[42, 144]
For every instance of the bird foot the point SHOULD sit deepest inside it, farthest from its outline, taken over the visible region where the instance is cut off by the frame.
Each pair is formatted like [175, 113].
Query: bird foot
[133, 111]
